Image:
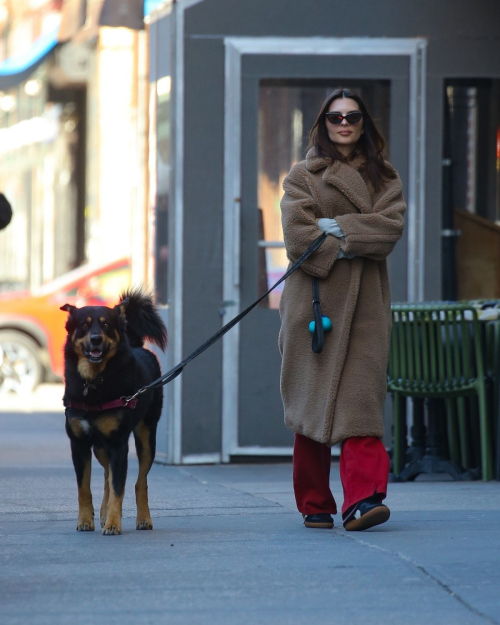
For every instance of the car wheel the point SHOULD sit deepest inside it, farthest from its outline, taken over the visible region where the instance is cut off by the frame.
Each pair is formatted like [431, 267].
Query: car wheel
[20, 367]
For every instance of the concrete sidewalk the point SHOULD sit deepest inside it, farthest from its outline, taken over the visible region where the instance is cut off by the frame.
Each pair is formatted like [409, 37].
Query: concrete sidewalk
[229, 548]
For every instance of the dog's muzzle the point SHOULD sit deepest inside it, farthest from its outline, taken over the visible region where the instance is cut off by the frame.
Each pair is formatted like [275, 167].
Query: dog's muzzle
[95, 351]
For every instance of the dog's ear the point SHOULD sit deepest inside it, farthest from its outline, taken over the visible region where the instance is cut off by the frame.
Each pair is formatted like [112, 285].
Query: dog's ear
[68, 308]
[70, 320]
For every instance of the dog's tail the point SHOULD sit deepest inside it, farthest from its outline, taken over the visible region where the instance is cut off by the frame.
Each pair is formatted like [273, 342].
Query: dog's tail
[143, 320]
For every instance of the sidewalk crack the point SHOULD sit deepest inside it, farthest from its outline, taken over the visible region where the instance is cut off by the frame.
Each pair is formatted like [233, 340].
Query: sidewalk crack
[428, 574]
[231, 488]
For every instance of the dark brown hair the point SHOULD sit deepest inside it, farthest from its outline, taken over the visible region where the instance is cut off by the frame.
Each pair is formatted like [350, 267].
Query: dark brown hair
[371, 144]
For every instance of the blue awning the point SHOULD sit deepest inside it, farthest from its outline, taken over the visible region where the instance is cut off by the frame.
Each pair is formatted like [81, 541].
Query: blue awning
[17, 68]
[34, 54]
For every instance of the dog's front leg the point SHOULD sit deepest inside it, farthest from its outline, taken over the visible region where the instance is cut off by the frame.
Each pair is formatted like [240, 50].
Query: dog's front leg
[102, 457]
[82, 461]
[117, 475]
[145, 442]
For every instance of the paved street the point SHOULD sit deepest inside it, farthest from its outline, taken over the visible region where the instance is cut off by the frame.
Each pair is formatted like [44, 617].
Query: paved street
[229, 548]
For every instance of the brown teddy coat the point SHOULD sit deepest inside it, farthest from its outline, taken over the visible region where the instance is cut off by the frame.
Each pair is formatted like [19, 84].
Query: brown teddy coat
[339, 393]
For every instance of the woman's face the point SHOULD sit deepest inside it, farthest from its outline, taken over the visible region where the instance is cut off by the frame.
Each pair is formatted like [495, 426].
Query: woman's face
[344, 135]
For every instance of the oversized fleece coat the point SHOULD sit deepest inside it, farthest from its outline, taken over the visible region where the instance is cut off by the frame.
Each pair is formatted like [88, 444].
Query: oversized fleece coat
[339, 393]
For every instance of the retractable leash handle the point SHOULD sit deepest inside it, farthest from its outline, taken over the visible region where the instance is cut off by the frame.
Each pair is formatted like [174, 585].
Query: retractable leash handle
[177, 370]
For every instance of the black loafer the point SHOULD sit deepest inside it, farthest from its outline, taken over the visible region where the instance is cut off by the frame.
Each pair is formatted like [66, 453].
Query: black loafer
[322, 520]
[366, 514]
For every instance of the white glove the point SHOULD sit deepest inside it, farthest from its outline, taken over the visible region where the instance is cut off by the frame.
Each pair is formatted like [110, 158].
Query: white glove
[330, 226]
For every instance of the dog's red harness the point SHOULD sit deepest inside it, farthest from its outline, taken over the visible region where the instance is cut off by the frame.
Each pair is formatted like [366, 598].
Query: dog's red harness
[117, 403]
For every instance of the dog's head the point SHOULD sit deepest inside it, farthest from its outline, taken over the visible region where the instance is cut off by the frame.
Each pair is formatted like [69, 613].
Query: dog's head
[94, 333]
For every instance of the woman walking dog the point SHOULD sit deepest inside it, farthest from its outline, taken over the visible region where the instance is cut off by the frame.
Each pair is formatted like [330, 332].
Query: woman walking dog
[346, 189]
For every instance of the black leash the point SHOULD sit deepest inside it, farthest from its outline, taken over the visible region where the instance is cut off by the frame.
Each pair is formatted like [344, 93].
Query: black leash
[173, 373]
[318, 334]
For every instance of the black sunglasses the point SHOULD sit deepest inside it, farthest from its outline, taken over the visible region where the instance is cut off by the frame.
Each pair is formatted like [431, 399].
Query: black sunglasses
[351, 118]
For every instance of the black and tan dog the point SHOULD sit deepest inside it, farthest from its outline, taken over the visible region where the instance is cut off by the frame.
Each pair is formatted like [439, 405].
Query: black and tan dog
[105, 362]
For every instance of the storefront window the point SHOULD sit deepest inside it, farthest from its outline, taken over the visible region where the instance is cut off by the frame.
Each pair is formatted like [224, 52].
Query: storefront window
[472, 116]
[471, 189]
[39, 139]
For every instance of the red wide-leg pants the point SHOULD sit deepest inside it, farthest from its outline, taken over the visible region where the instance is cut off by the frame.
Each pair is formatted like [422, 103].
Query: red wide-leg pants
[364, 471]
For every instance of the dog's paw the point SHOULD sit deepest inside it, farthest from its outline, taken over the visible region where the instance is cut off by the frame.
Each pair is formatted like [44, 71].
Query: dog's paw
[85, 526]
[111, 530]
[144, 524]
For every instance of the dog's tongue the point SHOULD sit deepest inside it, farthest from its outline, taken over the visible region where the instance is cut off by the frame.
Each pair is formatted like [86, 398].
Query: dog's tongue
[95, 353]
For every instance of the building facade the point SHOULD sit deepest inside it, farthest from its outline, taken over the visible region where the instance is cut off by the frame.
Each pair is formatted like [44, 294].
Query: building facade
[235, 88]
[74, 128]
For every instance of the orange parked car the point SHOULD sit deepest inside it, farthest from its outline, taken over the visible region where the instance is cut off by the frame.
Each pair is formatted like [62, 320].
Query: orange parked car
[32, 332]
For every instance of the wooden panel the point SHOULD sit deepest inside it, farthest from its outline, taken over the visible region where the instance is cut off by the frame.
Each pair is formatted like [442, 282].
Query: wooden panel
[478, 257]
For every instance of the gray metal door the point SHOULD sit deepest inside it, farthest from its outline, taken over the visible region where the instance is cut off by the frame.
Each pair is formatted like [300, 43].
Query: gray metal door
[278, 98]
